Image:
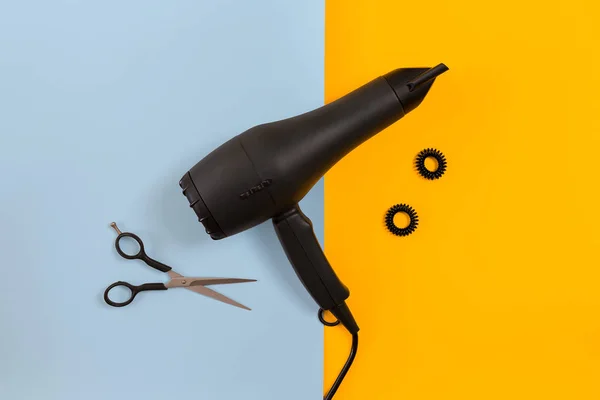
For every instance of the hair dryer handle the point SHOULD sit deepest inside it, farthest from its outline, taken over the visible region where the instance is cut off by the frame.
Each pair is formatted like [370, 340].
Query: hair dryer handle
[296, 234]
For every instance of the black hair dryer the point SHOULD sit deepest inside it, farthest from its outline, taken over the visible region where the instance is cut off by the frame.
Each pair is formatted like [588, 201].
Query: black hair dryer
[265, 171]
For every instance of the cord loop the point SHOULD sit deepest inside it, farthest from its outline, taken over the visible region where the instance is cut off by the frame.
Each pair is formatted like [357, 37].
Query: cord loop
[324, 322]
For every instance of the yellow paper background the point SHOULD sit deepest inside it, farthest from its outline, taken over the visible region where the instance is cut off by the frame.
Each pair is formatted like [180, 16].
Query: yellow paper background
[497, 294]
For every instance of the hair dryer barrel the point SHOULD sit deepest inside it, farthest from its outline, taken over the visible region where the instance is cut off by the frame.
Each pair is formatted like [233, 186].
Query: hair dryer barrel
[268, 169]
[298, 151]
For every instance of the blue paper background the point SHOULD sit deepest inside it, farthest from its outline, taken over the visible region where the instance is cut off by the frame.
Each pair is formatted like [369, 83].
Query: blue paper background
[103, 106]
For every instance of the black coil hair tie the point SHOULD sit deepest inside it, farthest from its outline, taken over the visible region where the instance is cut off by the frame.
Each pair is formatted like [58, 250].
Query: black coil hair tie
[426, 173]
[398, 208]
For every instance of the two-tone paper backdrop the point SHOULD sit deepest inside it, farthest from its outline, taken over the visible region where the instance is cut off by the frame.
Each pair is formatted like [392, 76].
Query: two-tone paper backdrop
[104, 105]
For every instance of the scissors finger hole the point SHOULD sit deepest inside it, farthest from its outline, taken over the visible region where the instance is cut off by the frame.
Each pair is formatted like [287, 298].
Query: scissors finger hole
[118, 294]
[129, 245]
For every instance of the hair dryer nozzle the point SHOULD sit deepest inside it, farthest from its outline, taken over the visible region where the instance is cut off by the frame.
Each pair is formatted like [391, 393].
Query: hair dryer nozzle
[412, 84]
[427, 76]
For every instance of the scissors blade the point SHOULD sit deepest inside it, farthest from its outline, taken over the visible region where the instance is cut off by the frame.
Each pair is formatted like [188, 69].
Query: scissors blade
[218, 281]
[172, 274]
[215, 295]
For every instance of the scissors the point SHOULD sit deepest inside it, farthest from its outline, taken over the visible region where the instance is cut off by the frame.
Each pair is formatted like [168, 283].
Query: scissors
[197, 285]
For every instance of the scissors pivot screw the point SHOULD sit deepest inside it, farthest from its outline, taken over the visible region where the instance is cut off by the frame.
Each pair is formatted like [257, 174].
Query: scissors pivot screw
[184, 282]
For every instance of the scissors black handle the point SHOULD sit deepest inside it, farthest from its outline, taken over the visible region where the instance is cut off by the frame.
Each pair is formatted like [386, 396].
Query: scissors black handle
[140, 255]
[133, 289]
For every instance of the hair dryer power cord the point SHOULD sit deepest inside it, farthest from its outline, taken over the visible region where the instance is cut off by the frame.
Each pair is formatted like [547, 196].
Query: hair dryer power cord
[345, 368]
[349, 361]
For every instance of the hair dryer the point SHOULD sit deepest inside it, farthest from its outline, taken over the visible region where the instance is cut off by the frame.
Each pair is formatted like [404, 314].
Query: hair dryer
[265, 171]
